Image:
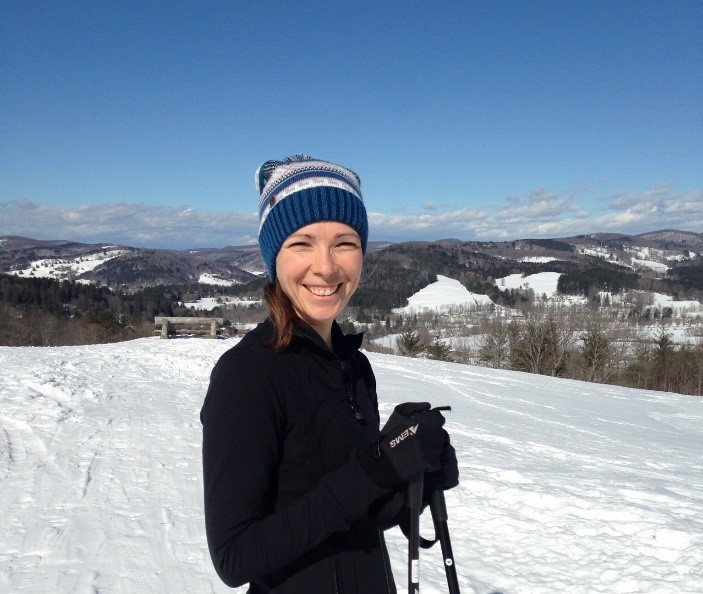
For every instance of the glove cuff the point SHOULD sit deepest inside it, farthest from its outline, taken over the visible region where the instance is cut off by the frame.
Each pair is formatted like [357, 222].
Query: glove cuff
[377, 468]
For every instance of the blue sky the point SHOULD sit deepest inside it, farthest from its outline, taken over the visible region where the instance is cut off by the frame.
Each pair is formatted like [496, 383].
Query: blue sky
[143, 122]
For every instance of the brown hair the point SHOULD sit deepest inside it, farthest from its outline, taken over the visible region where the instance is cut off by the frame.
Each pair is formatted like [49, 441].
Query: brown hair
[282, 315]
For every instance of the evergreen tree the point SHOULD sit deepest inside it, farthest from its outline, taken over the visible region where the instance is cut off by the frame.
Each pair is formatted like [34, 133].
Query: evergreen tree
[410, 344]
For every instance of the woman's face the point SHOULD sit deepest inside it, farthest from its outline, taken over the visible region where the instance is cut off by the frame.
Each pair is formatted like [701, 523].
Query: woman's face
[319, 267]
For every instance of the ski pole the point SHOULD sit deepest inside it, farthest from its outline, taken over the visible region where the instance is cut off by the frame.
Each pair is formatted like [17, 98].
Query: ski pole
[438, 507]
[413, 501]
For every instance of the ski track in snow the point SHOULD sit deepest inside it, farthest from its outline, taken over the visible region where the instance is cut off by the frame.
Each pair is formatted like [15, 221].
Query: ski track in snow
[565, 486]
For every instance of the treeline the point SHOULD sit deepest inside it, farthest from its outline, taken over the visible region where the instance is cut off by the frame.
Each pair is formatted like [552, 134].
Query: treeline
[551, 244]
[692, 273]
[581, 344]
[594, 350]
[396, 273]
[47, 312]
[600, 278]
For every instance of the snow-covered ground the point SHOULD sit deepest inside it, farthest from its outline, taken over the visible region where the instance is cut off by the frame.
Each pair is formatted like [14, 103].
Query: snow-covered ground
[638, 257]
[597, 252]
[660, 300]
[67, 268]
[651, 265]
[390, 341]
[212, 279]
[210, 303]
[542, 283]
[565, 486]
[538, 259]
[444, 293]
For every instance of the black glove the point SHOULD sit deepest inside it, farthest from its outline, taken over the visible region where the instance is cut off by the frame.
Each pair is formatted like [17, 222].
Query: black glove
[447, 477]
[411, 443]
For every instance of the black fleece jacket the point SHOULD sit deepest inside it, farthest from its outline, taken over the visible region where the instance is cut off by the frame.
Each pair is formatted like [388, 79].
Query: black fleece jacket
[287, 505]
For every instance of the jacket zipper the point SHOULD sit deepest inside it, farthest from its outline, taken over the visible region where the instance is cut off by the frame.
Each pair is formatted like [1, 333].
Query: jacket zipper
[350, 394]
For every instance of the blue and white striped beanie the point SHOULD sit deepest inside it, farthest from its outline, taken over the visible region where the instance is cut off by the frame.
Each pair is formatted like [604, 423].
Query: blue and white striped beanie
[300, 190]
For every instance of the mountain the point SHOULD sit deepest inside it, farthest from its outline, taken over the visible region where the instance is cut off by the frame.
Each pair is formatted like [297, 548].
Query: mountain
[565, 486]
[127, 267]
[392, 273]
[670, 237]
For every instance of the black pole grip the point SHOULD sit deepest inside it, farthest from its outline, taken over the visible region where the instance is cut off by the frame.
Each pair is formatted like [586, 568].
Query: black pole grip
[438, 505]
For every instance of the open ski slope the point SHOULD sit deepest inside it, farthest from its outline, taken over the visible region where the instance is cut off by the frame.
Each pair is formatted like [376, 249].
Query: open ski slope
[443, 294]
[565, 486]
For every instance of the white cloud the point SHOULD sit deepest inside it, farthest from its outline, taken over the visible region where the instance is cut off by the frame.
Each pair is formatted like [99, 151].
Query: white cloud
[539, 213]
[139, 225]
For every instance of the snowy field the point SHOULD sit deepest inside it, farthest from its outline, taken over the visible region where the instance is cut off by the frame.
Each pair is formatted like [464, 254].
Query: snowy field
[542, 283]
[210, 303]
[68, 268]
[565, 486]
[444, 293]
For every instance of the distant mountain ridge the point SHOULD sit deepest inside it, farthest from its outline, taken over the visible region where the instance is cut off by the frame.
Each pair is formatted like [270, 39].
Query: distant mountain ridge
[652, 253]
[124, 266]
[682, 238]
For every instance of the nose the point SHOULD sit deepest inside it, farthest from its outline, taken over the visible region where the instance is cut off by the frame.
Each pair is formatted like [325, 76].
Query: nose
[323, 263]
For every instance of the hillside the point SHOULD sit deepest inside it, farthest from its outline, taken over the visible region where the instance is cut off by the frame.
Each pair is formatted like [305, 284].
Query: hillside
[127, 267]
[565, 486]
[121, 287]
[668, 262]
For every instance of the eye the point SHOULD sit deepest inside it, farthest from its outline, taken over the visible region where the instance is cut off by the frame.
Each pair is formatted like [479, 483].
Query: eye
[297, 244]
[349, 244]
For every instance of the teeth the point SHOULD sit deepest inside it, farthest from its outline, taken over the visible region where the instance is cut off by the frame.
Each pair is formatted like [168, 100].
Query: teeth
[323, 291]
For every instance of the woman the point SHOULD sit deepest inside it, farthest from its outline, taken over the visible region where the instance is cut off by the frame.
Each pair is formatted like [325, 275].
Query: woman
[299, 484]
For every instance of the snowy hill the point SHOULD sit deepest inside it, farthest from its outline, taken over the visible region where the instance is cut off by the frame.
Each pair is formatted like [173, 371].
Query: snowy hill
[565, 486]
[126, 266]
[542, 283]
[445, 293]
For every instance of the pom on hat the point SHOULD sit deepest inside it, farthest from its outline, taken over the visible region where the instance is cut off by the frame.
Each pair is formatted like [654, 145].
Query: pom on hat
[300, 190]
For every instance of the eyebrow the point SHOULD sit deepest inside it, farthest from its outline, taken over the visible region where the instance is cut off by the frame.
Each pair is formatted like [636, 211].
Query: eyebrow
[336, 236]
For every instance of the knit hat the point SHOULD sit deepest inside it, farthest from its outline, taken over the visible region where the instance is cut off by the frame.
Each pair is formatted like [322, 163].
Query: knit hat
[299, 191]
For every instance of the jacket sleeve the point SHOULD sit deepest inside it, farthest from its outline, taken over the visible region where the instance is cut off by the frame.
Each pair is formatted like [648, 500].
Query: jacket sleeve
[243, 428]
[389, 510]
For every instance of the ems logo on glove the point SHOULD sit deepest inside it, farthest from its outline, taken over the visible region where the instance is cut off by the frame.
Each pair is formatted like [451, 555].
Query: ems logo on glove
[405, 434]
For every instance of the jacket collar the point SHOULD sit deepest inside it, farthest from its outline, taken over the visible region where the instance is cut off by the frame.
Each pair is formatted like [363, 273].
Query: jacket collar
[344, 346]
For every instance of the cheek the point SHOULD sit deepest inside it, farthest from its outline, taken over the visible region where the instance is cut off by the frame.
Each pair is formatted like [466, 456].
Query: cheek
[354, 272]
[288, 266]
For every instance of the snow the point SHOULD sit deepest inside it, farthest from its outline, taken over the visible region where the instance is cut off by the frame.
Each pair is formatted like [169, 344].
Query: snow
[661, 301]
[688, 255]
[597, 252]
[565, 486]
[651, 264]
[541, 283]
[213, 279]
[445, 293]
[210, 303]
[67, 268]
[538, 259]
[390, 341]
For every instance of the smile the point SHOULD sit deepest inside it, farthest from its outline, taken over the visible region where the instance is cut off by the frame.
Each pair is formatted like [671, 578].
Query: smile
[322, 291]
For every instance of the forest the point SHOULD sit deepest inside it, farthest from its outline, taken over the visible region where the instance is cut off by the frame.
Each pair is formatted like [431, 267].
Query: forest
[597, 342]
[47, 312]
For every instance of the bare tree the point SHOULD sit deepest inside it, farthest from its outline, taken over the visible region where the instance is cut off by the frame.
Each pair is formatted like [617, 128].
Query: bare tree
[494, 345]
[596, 351]
[541, 344]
